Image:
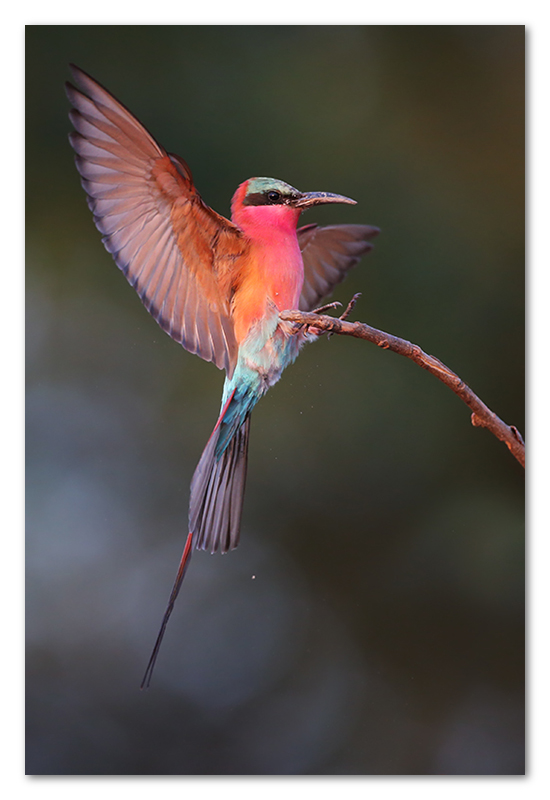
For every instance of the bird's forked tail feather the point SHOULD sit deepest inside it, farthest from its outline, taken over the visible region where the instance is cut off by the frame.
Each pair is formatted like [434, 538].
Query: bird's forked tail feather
[215, 506]
[184, 563]
[217, 490]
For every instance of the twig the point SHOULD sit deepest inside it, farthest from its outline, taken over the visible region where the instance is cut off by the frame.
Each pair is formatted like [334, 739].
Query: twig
[351, 306]
[482, 416]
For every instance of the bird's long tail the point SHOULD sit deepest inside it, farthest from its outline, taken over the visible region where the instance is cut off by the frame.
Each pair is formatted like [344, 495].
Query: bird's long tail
[184, 563]
[215, 506]
[217, 488]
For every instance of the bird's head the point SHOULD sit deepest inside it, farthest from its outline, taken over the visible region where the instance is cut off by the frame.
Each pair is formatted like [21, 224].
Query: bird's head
[274, 203]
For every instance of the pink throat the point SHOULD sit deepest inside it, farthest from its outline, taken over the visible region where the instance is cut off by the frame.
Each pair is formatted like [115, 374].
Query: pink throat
[267, 223]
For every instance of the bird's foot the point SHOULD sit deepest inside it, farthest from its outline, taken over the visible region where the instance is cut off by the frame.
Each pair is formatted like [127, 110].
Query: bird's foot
[322, 309]
[349, 309]
[311, 329]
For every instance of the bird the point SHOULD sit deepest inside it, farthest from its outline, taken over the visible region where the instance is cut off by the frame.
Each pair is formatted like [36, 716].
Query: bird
[215, 285]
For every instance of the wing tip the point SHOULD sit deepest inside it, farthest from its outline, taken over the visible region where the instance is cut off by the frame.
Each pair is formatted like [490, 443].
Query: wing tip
[372, 231]
[81, 77]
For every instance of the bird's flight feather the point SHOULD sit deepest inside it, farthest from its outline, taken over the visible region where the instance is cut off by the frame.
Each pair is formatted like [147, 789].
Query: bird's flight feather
[328, 253]
[175, 250]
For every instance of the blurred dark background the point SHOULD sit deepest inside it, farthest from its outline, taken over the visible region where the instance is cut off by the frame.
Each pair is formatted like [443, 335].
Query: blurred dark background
[372, 619]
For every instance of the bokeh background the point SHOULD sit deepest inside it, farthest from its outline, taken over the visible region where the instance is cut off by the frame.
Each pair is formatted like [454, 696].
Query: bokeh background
[372, 620]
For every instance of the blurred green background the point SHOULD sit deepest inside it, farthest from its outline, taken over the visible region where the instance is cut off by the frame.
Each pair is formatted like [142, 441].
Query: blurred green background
[372, 619]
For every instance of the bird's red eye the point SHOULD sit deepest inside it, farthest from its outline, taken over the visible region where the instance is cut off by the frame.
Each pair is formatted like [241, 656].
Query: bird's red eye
[273, 197]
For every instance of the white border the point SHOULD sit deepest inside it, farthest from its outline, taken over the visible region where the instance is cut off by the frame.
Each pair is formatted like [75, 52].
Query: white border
[531, 13]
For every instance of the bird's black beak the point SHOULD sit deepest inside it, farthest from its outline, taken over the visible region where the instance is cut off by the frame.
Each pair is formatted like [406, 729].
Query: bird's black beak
[309, 199]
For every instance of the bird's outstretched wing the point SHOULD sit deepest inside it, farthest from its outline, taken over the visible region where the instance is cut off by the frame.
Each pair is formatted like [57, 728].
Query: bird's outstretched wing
[175, 251]
[328, 253]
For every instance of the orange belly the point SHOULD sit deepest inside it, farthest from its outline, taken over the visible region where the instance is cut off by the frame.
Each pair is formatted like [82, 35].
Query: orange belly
[272, 280]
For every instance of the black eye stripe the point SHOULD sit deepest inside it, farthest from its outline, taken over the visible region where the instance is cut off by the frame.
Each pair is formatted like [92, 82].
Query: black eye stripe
[269, 198]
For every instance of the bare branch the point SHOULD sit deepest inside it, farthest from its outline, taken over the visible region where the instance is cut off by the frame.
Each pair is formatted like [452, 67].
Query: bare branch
[482, 416]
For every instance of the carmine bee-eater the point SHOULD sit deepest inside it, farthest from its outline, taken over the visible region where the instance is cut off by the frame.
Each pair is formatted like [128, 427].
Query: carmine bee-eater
[215, 286]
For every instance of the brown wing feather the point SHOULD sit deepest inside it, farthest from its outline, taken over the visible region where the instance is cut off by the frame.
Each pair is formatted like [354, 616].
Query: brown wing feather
[176, 251]
[328, 254]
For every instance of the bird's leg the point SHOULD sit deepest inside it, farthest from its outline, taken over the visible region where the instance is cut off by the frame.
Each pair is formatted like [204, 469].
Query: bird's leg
[321, 310]
[349, 309]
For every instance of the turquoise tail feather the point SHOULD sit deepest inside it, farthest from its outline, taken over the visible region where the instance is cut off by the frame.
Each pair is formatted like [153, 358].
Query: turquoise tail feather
[217, 488]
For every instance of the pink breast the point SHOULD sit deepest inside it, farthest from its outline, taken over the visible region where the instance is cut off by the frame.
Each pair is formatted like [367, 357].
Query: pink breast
[278, 268]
